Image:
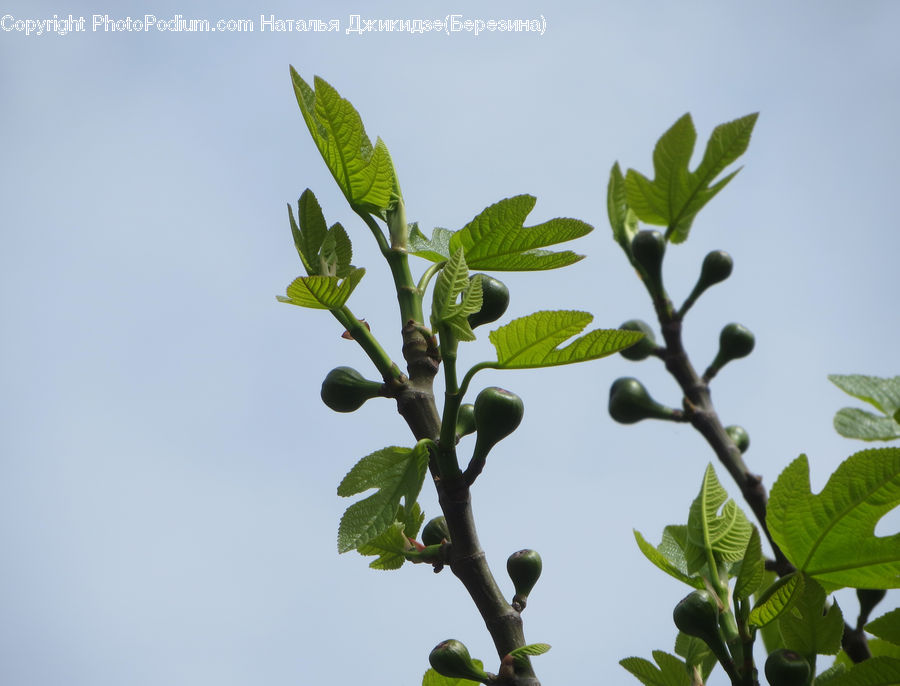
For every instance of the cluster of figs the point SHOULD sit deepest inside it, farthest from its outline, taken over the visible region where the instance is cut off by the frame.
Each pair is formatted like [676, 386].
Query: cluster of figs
[495, 414]
[698, 615]
[629, 400]
[451, 658]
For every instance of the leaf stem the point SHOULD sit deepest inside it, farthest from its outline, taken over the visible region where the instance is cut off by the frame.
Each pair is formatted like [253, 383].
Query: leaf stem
[427, 276]
[390, 372]
[467, 379]
[408, 295]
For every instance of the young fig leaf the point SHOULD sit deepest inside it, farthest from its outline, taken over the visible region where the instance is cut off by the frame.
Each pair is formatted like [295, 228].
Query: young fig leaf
[816, 531]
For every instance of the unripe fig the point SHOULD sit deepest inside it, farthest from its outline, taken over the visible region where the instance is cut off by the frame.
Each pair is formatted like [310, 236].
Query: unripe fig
[787, 668]
[451, 659]
[697, 615]
[494, 301]
[735, 341]
[465, 420]
[739, 435]
[524, 568]
[435, 531]
[629, 402]
[498, 413]
[716, 267]
[868, 599]
[642, 349]
[345, 389]
[648, 248]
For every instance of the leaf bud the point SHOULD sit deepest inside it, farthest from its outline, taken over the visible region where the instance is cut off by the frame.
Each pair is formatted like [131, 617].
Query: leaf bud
[739, 435]
[524, 568]
[644, 347]
[494, 301]
[451, 659]
[345, 389]
[435, 531]
[787, 668]
[629, 402]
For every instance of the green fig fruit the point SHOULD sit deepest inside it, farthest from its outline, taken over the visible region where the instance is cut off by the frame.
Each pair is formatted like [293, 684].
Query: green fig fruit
[345, 389]
[648, 249]
[644, 347]
[716, 267]
[787, 668]
[524, 568]
[494, 301]
[451, 659]
[739, 435]
[435, 531]
[498, 413]
[697, 615]
[629, 402]
[465, 420]
[735, 342]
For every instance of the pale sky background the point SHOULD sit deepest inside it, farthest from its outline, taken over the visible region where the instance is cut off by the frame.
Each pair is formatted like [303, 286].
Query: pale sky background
[167, 471]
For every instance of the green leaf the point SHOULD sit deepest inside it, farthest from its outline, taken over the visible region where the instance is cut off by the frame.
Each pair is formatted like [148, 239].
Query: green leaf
[752, 569]
[522, 653]
[396, 473]
[660, 560]
[826, 677]
[726, 534]
[447, 308]
[498, 240]
[771, 636]
[365, 174]
[322, 292]
[851, 422]
[411, 518]
[806, 629]
[876, 671]
[881, 648]
[696, 654]
[531, 341]
[671, 670]
[777, 599]
[308, 231]
[436, 249]
[676, 194]
[887, 626]
[882, 393]
[336, 253]
[616, 205]
[432, 678]
[830, 536]
[389, 546]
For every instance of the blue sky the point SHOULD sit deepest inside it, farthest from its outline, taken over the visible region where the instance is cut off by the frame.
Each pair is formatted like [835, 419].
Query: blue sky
[167, 471]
